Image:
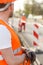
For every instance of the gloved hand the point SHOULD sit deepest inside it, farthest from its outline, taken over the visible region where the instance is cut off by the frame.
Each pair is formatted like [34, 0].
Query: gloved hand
[30, 55]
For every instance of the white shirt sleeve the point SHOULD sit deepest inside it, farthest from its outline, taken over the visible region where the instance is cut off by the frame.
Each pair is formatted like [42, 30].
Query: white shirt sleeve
[5, 37]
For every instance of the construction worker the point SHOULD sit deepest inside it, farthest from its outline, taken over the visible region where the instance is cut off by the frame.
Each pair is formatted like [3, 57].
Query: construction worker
[23, 22]
[10, 47]
[19, 25]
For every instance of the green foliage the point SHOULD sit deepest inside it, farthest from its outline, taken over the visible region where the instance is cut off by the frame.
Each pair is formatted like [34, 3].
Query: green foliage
[26, 9]
[34, 9]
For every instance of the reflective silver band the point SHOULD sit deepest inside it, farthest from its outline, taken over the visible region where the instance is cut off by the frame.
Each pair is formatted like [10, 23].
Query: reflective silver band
[4, 8]
[17, 50]
[14, 51]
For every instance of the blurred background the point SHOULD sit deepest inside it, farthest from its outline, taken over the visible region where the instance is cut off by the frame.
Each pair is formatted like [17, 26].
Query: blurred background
[33, 9]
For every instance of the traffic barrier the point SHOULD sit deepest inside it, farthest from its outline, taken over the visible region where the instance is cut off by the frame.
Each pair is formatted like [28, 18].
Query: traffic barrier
[35, 34]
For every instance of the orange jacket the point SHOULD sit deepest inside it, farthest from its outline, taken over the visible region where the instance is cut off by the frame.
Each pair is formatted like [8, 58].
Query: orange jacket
[6, 1]
[15, 42]
[26, 62]
[23, 18]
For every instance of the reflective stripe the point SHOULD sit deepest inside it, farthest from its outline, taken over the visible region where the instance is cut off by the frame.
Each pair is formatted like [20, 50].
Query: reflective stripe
[17, 50]
[1, 58]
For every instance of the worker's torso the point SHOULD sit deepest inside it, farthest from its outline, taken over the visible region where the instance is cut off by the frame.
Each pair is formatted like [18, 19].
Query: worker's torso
[15, 43]
[23, 19]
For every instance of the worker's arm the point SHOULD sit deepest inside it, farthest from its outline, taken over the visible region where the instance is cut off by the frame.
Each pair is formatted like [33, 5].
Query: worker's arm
[6, 49]
[10, 58]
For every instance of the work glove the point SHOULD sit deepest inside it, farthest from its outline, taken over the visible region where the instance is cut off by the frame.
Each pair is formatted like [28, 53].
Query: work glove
[30, 55]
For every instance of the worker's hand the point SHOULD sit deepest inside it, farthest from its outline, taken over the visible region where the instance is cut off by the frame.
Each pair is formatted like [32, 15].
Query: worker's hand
[29, 54]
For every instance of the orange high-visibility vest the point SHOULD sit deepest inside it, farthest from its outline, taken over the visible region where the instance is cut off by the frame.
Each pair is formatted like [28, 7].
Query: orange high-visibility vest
[6, 1]
[15, 43]
[26, 62]
[23, 18]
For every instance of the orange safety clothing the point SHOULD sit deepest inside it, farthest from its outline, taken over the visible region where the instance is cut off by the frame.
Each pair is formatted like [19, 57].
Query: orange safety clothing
[6, 1]
[23, 18]
[23, 22]
[15, 43]
[26, 62]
